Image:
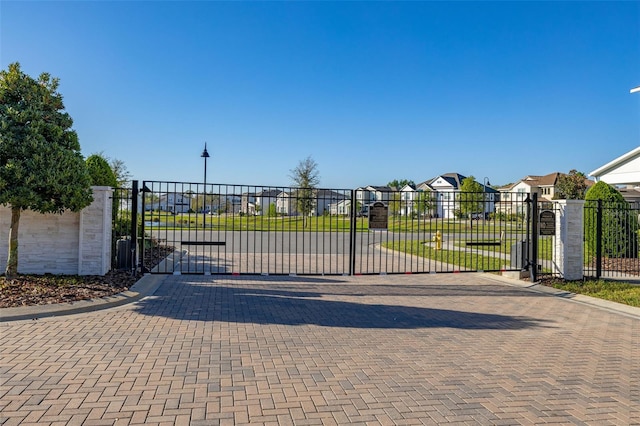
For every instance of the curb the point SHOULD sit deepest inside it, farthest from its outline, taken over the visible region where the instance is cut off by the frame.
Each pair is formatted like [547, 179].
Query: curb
[145, 286]
[619, 308]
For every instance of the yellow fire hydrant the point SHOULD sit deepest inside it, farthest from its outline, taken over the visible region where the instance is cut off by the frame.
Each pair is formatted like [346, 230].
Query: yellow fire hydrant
[438, 239]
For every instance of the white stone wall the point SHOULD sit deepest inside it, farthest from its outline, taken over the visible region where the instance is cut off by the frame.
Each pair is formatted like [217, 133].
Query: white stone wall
[568, 252]
[68, 243]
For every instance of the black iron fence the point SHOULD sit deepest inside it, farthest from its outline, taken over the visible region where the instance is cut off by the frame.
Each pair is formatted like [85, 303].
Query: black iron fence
[611, 239]
[240, 229]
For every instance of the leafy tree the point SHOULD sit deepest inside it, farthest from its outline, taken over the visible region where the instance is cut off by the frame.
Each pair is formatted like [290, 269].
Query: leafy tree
[100, 171]
[273, 212]
[41, 167]
[571, 186]
[395, 204]
[119, 168]
[401, 183]
[619, 235]
[426, 203]
[471, 196]
[306, 178]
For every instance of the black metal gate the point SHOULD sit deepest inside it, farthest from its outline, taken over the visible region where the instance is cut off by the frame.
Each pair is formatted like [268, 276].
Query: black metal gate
[193, 228]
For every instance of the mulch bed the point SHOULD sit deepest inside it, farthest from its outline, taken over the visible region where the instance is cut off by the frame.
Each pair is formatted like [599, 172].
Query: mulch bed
[628, 266]
[29, 290]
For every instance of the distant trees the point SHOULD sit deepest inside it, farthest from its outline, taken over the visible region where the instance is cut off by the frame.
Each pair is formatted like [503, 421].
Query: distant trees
[399, 184]
[305, 177]
[571, 186]
[41, 167]
[119, 168]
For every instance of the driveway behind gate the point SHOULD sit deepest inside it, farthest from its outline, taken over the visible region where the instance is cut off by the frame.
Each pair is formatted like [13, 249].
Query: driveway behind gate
[417, 349]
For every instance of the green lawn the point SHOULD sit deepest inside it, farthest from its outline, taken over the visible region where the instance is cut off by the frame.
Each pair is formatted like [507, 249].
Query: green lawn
[465, 259]
[626, 293]
[324, 223]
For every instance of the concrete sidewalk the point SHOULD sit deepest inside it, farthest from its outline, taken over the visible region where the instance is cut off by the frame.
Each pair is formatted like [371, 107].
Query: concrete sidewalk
[405, 349]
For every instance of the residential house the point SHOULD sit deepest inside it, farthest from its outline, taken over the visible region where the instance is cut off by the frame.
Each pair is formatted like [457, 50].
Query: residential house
[323, 202]
[416, 201]
[341, 208]
[623, 173]
[285, 204]
[171, 202]
[325, 198]
[258, 203]
[446, 190]
[624, 170]
[367, 195]
[248, 203]
[512, 196]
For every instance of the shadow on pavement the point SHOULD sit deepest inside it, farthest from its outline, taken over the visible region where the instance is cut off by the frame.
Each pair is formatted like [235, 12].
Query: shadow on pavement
[290, 304]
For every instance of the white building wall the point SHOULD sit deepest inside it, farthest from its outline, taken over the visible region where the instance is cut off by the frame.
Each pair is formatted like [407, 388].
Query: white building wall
[68, 243]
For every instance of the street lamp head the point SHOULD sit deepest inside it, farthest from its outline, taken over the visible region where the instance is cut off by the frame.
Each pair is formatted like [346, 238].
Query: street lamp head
[635, 89]
[205, 154]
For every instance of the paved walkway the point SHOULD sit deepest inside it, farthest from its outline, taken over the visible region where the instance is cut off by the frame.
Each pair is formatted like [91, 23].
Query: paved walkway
[414, 349]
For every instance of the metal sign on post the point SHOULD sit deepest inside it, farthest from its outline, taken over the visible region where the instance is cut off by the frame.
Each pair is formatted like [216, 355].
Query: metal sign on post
[378, 216]
[547, 224]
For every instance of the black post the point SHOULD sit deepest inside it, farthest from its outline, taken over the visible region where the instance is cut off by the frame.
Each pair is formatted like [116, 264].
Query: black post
[525, 246]
[352, 234]
[134, 225]
[599, 239]
[144, 191]
[533, 264]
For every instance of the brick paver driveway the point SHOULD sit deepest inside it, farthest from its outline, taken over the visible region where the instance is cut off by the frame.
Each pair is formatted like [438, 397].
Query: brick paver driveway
[417, 349]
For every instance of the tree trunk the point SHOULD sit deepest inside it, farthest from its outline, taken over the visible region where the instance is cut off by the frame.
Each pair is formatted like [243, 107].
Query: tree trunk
[12, 261]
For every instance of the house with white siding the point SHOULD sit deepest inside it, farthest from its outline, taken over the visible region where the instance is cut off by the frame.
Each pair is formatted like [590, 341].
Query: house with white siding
[171, 202]
[446, 189]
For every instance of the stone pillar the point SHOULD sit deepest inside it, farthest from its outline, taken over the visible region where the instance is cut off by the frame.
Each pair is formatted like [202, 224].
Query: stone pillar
[568, 250]
[94, 248]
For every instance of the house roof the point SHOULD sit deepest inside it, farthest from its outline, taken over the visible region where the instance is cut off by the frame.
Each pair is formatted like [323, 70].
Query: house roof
[382, 188]
[631, 174]
[328, 193]
[537, 181]
[454, 179]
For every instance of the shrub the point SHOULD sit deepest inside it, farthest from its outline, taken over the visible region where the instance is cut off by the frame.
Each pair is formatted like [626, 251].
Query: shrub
[100, 171]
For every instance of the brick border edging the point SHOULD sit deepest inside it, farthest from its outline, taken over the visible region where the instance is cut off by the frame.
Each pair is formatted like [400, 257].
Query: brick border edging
[145, 286]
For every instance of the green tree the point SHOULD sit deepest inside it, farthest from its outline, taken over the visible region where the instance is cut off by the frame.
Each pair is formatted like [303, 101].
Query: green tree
[471, 196]
[41, 167]
[273, 212]
[426, 203]
[119, 168]
[305, 178]
[619, 237]
[401, 183]
[571, 186]
[395, 204]
[100, 171]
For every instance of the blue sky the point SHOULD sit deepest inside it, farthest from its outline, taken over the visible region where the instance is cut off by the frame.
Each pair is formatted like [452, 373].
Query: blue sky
[372, 91]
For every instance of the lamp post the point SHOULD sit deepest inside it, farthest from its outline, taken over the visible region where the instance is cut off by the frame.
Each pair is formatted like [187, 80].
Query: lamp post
[204, 155]
[484, 190]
